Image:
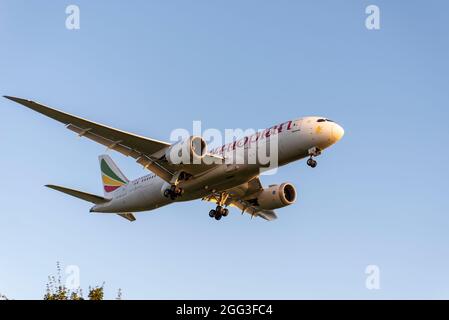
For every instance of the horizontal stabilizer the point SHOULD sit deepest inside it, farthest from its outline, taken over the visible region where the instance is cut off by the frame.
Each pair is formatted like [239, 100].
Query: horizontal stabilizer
[79, 194]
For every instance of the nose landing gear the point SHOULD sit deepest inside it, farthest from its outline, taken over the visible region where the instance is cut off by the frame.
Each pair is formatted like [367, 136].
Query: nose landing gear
[219, 211]
[313, 152]
[311, 162]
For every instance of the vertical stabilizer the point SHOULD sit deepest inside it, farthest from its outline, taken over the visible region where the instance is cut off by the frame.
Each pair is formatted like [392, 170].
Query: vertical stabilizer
[111, 175]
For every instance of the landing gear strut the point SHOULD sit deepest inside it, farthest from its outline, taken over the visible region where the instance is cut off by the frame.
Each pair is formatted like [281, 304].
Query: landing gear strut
[173, 192]
[313, 152]
[219, 211]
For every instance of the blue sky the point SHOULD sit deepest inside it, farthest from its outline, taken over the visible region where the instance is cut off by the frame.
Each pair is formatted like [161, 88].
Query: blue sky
[378, 197]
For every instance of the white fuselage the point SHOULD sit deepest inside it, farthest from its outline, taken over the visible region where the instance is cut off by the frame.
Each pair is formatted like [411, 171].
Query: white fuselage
[295, 139]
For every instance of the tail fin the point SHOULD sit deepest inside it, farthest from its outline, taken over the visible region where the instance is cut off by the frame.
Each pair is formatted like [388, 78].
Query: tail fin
[111, 175]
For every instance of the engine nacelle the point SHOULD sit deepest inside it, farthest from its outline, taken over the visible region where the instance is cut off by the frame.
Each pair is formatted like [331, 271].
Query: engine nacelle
[277, 196]
[188, 151]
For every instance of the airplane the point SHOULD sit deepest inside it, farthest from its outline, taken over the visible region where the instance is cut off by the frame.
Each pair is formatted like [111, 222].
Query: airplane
[215, 176]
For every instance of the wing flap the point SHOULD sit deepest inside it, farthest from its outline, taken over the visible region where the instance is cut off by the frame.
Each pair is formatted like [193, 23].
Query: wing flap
[141, 158]
[128, 216]
[254, 211]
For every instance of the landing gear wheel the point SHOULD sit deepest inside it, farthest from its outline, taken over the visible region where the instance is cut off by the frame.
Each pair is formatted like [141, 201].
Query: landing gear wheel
[173, 192]
[311, 163]
[220, 211]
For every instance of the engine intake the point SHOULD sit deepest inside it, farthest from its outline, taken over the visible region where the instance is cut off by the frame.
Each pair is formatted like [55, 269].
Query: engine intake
[277, 196]
[187, 151]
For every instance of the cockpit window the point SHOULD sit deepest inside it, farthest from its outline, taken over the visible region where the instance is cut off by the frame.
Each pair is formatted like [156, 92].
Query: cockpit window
[324, 120]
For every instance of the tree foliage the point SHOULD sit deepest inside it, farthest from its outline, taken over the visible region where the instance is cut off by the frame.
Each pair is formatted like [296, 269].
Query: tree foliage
[56, 290]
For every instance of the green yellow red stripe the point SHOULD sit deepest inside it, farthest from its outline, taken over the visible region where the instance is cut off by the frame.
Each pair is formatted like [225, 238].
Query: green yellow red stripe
[111, 181]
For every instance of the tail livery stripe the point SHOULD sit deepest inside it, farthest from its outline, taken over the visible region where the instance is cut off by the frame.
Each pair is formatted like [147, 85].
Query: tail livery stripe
[111, 180]
[106, 170]
[110, 188]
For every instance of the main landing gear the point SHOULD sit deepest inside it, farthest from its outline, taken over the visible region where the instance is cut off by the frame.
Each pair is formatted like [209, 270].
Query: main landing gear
[219, 211]
[313, 152]
[173, 192]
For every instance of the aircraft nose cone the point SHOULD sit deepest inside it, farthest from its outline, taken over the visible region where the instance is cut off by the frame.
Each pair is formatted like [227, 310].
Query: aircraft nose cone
[337, 132]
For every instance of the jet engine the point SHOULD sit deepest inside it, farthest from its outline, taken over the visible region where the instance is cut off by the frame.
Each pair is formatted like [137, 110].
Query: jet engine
[188, 151]
[276, 196]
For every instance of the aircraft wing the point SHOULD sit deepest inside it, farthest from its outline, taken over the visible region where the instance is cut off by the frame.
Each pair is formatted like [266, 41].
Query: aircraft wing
[140, 148]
